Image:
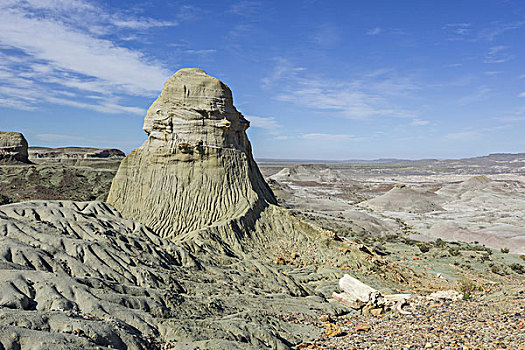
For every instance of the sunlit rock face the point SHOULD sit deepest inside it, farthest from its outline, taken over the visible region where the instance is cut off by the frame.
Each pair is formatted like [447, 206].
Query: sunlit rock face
[194, 107]
[196, 168]
[13, 148]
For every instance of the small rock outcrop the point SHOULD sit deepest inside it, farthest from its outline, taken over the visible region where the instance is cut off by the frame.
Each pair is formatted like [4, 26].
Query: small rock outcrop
[196, 168]
[13, 148]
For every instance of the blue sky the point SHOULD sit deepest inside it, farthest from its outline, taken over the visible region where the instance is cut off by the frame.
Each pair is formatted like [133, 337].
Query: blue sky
[317, 79]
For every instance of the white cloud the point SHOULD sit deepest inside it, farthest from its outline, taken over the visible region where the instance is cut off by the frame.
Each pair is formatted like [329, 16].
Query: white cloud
[497, 29]
[103, 107]
[199, 52]
[481, 94]
[457, 31]
[245, 8]
[365, 96]
[463, 136]
[62, 138]
[283, 69]
[498, 54]
[327, 137]
[522, 94]
[141, 23]
[374, 31]
[492, 73]
[268, 123]
[52, 45]
[419, 122]
[518, 115]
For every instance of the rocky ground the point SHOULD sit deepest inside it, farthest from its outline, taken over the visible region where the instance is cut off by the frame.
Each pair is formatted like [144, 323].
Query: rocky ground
[54, 182]
[417, 214]
[494, 320]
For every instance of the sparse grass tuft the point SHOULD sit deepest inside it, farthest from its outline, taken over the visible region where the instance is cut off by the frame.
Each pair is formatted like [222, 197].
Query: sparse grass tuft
[468, 288]
[454, 251]
[518, 268]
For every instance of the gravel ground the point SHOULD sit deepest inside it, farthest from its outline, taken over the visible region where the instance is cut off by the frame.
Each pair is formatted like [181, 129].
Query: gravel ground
[495, 321]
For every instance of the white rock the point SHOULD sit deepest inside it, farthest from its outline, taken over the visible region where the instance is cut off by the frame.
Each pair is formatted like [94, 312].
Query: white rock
[446, 295]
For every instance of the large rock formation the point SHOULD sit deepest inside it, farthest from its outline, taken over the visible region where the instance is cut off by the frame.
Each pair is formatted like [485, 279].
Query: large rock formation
[196, 168]
[13, 148]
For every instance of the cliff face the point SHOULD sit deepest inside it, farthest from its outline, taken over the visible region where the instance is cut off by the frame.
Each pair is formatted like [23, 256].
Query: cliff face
[196, 168]
[13, 148]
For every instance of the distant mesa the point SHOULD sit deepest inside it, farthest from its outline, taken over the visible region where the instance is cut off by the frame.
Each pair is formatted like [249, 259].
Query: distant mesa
[73, 153]
[13, 148]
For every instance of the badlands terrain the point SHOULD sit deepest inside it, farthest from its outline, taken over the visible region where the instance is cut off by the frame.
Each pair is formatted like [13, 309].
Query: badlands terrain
[472, 200]
[188, 243]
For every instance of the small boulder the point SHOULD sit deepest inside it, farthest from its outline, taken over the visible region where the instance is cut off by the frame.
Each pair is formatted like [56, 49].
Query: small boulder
[326, 319]
[333, 330]
[363, 327]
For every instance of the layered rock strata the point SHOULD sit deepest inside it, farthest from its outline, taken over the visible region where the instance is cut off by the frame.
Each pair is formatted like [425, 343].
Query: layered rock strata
[13, 148]
[73, 153]
[196, 168]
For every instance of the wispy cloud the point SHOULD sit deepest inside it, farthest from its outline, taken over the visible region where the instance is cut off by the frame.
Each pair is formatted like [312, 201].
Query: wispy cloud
[200, 52]
[245, 8]
[321, 136]
[495, 29]
[518, 115]
[457, 31]
[419, 122]
[522, 94]
[141, 23]
[463, 135]
[467, 32]
[269, 123]
[498, 54]
[282, 69]
[374, 31]
[49, 46]
[326, 35]
[365, 96]
[481, 94]
[61, 139]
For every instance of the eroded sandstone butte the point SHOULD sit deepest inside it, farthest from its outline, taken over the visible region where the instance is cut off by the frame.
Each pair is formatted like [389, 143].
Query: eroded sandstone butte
[196, 168]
